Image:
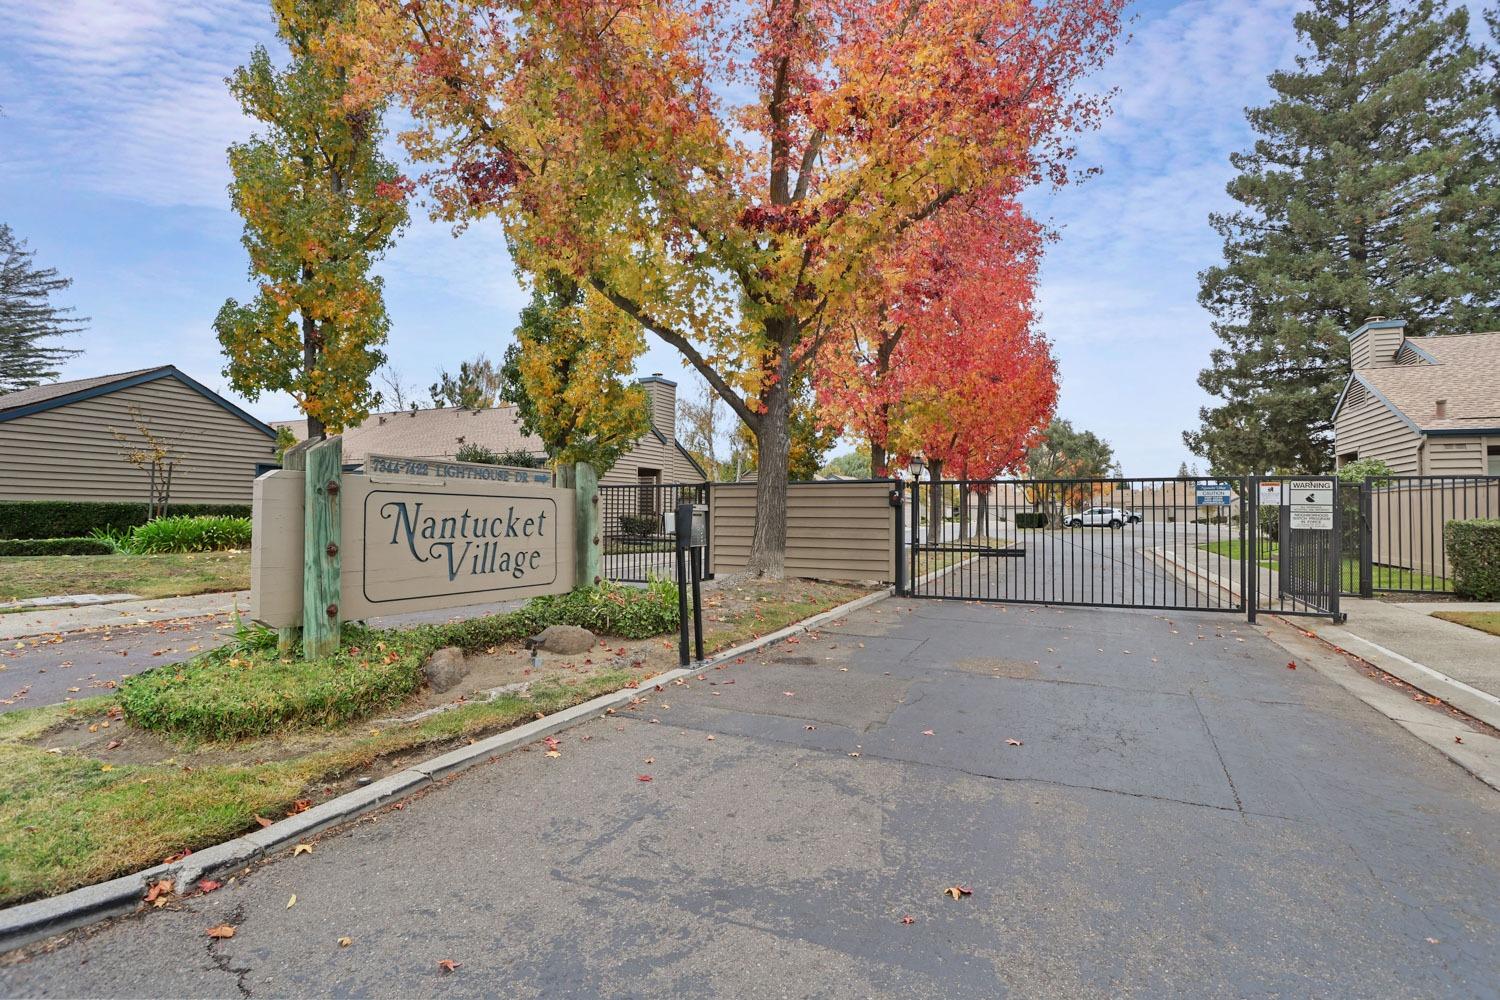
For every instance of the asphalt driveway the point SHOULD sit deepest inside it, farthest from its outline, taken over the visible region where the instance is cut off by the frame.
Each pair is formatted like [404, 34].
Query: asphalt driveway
[1183, 815]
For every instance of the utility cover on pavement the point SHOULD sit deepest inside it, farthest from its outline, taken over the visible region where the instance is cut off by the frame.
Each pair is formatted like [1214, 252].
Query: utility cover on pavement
[1311, 503]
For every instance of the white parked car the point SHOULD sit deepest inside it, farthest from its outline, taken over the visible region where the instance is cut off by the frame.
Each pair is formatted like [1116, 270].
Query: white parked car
[1100, 517]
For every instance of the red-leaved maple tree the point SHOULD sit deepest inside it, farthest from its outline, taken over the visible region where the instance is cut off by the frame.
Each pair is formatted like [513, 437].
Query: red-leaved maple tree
[721, 170]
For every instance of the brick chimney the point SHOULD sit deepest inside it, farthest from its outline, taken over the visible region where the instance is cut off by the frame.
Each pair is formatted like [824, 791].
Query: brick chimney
[663, 393]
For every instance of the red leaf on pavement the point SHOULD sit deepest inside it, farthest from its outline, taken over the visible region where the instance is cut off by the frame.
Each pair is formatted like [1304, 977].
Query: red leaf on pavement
[447, 965]
[1291, 666]
[958, 891]
[643, 777]
[908, 919]
[159, 891]
[208, 885]
[221, 931]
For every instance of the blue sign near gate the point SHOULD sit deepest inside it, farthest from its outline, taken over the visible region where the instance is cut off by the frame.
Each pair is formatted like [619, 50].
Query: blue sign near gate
[1213, 494]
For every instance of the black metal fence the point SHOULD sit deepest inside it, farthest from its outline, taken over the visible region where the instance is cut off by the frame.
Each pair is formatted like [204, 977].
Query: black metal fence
[1394, 540]
[1169, 543]
[638, 537]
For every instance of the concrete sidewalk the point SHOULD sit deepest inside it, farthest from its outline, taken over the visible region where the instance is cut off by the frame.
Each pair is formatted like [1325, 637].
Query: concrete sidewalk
[1142, 805]
[1453, 662]
[48, 621]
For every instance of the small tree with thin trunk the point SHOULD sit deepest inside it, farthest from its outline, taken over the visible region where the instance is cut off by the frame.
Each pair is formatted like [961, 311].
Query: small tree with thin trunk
[153, 455]
[320, 205]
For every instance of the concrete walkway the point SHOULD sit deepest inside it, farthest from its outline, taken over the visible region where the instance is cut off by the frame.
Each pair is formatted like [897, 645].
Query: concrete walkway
[1453, 662]
[47, 621]
[1142, 805]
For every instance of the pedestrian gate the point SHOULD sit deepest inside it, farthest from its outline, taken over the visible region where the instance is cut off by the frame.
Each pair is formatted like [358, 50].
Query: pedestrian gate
[1238, 544]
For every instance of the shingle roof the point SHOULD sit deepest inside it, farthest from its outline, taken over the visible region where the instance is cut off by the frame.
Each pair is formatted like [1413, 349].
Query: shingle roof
[433, 433]
[52, 390]
[1466, 375]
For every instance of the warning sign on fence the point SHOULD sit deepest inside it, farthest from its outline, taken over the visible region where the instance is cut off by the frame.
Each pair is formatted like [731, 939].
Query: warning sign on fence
[1311, 504]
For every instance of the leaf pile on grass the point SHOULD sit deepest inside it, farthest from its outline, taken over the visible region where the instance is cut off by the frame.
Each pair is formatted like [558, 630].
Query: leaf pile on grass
[237, 692]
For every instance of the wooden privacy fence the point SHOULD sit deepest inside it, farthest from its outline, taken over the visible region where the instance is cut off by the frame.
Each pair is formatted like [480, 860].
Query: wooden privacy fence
[834, 530]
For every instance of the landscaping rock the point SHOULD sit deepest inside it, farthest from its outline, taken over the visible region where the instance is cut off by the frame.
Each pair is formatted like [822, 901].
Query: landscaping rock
[445, 668]
[565, 639]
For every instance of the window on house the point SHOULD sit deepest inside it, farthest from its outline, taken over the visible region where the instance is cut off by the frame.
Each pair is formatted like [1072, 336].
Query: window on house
[1492, 456]
[1347, 457]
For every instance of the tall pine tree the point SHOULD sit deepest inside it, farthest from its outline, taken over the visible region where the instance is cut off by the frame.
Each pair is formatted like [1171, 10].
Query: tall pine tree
[1371, 190]
[29, 321]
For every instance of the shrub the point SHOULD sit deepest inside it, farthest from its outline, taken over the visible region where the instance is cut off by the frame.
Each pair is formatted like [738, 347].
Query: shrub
[638, 525]
[608, 609]
[243, 690]
[188, 534]
[77, 518]
[1473, 548]
[1356, 471]
[1030, 519]
[54, 547]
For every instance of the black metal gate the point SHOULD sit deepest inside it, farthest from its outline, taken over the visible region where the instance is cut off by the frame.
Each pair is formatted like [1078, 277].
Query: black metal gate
[1297, 538]
[638, 538]
[1171, 543]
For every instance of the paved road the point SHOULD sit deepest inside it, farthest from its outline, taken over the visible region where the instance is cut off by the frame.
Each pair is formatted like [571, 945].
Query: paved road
[1184, 817]
[46, 669]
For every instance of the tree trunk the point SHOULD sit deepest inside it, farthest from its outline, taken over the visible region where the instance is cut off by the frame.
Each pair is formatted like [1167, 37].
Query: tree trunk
[310, 335]
[878, 460]
[935, 504]
[773, 451]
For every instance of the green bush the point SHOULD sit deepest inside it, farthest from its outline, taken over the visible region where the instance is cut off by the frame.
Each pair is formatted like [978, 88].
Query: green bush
[188, 534]
[1030, 519]
[54, 547]
[638, 525]
[1473, 549]
[240, 691]
[77, 518]
[609, 609]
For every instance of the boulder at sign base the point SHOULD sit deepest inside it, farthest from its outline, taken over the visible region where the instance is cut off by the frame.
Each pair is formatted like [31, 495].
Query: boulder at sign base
[567, 640]
[445, 668]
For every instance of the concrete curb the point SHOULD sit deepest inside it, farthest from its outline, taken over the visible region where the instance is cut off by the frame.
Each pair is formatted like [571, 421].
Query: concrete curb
[1479, 754]
[29, 922]
[1467, 699]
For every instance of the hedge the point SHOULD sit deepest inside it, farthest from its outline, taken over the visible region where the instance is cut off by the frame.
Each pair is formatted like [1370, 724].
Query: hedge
[76, 518]
[54, 547]
[1474, 551]
[1030, 519]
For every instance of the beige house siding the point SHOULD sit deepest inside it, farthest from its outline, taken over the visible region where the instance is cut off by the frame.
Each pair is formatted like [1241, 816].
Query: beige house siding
[652, 453]
[69, 452]
[1446, 456]
[835, 531]
[1366, 427]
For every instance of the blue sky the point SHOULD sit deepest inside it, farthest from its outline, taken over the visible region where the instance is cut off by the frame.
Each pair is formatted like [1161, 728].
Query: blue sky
[112, 167]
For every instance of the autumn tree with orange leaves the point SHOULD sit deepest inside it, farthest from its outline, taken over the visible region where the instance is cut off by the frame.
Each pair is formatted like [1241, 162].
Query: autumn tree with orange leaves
[720, 170]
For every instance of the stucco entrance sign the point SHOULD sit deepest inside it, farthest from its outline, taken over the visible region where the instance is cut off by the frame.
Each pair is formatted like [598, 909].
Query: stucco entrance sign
[413, 545]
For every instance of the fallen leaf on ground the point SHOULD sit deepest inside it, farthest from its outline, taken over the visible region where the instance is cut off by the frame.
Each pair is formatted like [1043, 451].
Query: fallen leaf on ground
[159, 891]
[300, 806]
[208, 885]
[908, 919]
[928, 732]
[221, 931]
[1458, 739]
[345, 942]
[301, 849]
[958, 891]
[650, 760]
[1012, 743]
[448, 965]
[790, 694]
[643, 777]
[1290, 665]
[554, 753]
[291, 902]
[262, 820]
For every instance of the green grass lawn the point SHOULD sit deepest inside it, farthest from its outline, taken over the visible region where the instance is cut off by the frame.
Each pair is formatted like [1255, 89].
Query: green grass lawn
[1381, 577]
[171, 575]
[1484, 621]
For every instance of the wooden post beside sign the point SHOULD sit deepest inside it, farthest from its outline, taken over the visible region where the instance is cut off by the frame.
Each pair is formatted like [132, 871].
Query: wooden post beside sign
[321, 558]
